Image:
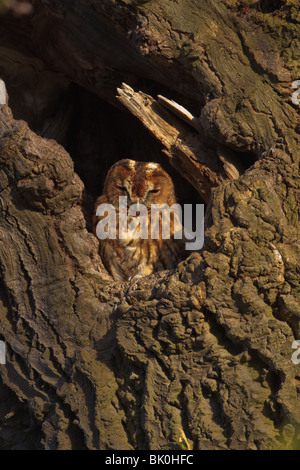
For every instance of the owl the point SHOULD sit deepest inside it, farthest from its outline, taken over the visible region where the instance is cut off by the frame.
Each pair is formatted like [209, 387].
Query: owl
[138, 252]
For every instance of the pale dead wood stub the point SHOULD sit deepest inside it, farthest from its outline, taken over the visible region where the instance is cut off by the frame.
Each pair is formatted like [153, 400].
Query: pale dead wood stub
[177, 129]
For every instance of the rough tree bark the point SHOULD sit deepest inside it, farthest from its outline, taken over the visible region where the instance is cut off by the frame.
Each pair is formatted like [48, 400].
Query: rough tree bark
[96, 364]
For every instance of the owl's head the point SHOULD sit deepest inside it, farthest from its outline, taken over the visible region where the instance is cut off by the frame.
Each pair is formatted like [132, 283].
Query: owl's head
[141, 182]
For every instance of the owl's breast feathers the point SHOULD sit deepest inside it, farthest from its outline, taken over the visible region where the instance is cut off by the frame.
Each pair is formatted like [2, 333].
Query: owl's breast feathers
[133, 256]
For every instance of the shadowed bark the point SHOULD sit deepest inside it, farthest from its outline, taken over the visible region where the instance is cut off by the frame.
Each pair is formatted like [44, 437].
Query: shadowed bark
[207, 347]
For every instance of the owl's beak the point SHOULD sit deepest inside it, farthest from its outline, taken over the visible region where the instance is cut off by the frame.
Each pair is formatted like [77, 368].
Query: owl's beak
[137, 202]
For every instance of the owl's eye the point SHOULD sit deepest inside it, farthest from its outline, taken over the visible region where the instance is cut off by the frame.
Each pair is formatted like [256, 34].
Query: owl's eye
[154, 191]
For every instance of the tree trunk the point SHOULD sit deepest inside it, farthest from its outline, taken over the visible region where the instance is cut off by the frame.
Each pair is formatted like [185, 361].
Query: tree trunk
[207, 347]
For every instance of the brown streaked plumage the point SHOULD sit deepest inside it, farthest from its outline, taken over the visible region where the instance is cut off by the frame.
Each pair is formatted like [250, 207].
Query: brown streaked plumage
[144, 183]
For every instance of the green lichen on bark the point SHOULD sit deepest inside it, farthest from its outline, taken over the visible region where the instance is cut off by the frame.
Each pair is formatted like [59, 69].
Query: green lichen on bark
[283, 25]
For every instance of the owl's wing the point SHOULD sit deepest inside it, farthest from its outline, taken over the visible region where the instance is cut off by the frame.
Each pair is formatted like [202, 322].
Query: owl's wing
[100, 200]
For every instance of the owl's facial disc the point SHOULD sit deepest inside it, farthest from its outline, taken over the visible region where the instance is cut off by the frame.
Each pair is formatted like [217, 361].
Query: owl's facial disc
[142, 183]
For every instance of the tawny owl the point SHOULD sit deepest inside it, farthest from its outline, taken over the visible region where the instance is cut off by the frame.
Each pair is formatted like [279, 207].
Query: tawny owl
[142, 250]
